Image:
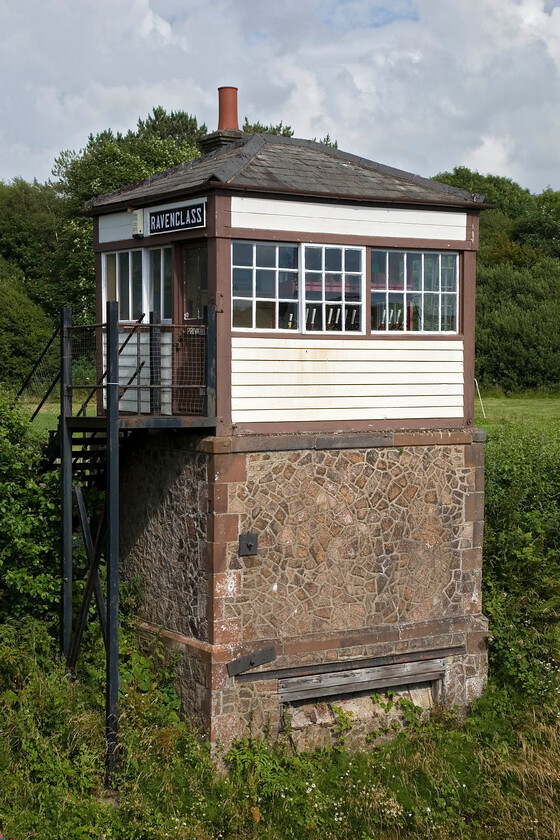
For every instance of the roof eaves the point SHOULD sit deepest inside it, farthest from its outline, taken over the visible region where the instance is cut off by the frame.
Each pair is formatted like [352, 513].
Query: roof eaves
[458, 204]
[101, 200]
[220, 173]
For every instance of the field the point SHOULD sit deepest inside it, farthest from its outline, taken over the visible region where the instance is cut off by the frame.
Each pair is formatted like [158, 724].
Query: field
[525, 408]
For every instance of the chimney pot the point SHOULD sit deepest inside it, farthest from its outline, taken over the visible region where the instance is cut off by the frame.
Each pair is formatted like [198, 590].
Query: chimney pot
[227, 99]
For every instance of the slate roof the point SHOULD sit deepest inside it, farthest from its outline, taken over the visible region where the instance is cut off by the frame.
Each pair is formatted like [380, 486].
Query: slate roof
[270, 163]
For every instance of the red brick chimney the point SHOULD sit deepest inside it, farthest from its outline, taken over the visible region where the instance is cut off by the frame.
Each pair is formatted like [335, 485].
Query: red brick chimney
[228, 127]
[227, 115]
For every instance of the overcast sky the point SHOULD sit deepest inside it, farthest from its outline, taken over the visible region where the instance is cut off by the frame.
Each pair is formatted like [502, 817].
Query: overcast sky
[422, 85]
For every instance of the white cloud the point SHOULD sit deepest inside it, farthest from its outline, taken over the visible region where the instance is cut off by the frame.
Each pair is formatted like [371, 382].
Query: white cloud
[418, 84]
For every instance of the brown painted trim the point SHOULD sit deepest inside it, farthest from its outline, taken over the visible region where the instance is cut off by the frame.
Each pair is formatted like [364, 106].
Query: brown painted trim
[210, 228]
[289, 236]
[176, 284]
[294, 646]
[212, 272]
[472, 228]
[346, 239]
[349, 336]
[345, 440]
[223, 215]
[154, 241]
[339, 426]
[334, 440]
[98, 290]
[222, 268]
[327, 440]
[469, 292]
[95, 233]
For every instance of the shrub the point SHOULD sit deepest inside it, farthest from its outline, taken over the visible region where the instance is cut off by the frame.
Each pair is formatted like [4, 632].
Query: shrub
[518, 311]
[521, 570]
[24, 327]
[29, 522]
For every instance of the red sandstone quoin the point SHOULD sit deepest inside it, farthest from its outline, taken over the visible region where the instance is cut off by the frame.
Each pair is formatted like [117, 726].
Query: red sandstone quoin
[305, 513]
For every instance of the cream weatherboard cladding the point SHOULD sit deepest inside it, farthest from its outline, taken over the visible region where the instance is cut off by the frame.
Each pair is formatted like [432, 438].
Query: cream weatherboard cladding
[307, 217]
[280, 380]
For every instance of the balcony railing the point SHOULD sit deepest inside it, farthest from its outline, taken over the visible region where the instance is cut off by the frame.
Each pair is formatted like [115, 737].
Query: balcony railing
[165, 371]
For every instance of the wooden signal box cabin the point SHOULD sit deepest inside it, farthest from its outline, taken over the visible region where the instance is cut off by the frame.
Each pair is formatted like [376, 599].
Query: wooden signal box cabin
[318, 537]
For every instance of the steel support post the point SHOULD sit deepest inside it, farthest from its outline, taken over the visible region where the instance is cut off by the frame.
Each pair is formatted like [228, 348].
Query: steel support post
[112, 676]
[66, 475]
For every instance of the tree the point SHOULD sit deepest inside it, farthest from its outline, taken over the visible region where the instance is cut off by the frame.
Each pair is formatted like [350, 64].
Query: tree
[24, 327]
[509, 197]
[518, 312]
[261, 128]
[110, 161]
[177, 125]
[29, 522]
[283, 131]
[30, 224]
[539, 227]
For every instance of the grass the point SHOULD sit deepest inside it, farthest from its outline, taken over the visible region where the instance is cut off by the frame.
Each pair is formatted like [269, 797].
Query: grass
[519, 408]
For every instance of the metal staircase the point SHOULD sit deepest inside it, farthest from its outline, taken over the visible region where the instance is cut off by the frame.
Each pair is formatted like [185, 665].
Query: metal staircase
[123, 380]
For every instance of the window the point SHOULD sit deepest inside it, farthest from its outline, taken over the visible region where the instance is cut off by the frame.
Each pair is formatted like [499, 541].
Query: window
[333, 289]
[265, 286]
[195, 280]
[161, 299]
[413, 291]
[123, 282]
[268, 294]
[141, 282]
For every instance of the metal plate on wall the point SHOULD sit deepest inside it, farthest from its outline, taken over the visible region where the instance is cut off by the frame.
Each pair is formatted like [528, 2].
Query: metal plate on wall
[248, 544]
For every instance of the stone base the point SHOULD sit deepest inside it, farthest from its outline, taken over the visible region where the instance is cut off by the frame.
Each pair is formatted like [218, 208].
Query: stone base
[225, 708]
[367, 554]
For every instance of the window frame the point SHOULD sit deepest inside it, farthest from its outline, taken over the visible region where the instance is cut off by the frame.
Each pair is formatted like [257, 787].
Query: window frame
[275, 299]
[149, 283]
[333, 304]
[421, 292]
[118, 254]
[147, 295]
[300, 300]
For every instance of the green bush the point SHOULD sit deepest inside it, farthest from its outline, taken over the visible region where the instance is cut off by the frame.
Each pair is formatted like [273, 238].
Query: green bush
[518, 312]
[521, 569]
[24, 327]
[29, 522]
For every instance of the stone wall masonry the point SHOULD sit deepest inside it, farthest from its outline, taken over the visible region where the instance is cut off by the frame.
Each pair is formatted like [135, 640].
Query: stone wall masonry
[372, 551]
[163, 533]
[352, 538]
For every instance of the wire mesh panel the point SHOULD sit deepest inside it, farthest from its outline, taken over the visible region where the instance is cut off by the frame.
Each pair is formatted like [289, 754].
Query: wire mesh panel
[87, 369]
[189, 370]
[162, 370]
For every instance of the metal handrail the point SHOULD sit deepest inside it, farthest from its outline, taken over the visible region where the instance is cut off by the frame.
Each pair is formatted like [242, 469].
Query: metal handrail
[45, 398]
[32, 373]
[93, 391]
